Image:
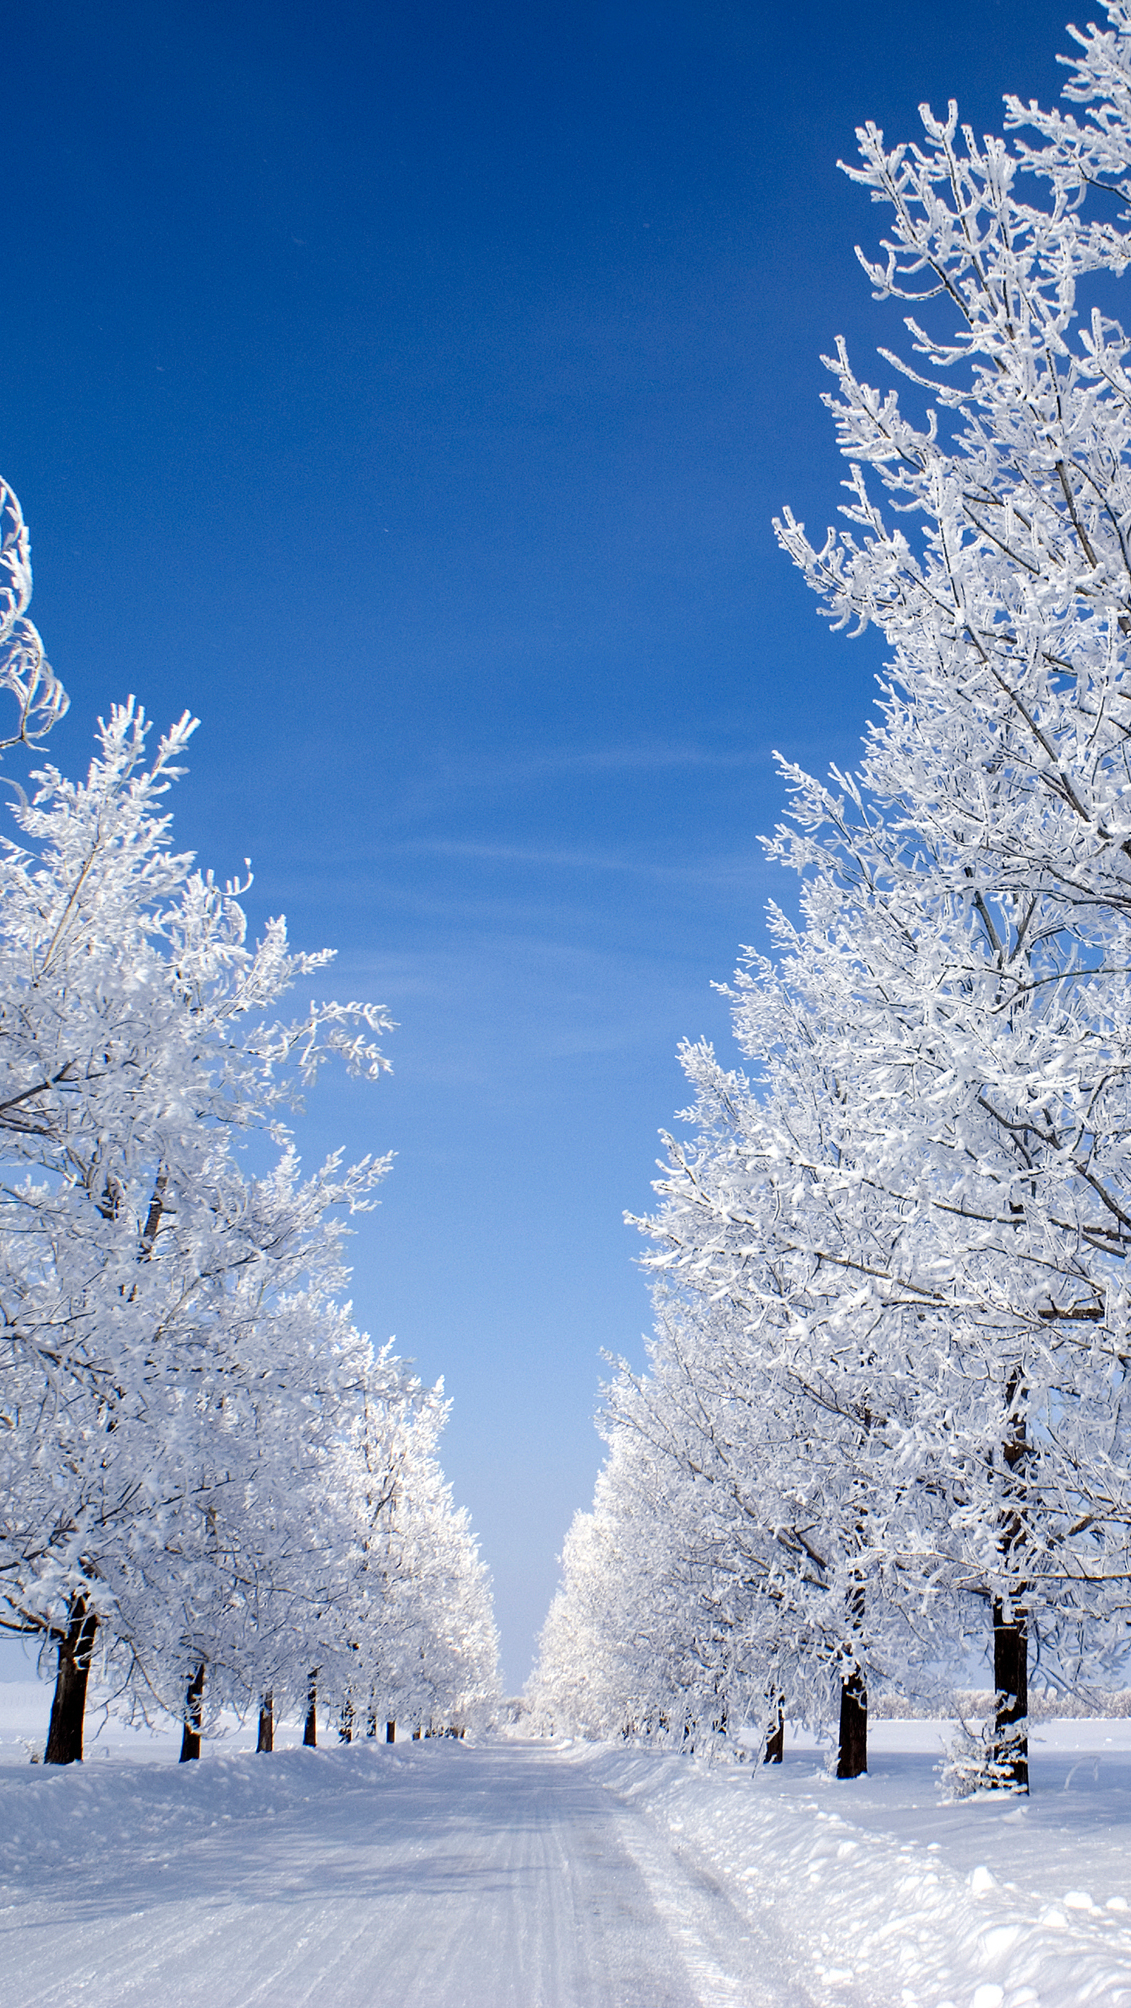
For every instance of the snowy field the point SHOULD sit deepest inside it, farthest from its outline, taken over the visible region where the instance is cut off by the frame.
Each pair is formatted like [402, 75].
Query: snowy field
[524, 1875]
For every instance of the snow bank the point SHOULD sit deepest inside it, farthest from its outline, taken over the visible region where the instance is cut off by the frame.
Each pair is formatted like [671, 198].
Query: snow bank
[72, 1817]
[906, 1902]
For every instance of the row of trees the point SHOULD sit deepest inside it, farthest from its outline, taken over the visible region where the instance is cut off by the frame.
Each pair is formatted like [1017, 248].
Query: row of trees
[886, 1416]
[210, 1481]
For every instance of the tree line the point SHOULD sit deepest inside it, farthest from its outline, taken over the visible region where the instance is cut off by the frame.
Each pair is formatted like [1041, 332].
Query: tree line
[213, 1488]
[884, 1427]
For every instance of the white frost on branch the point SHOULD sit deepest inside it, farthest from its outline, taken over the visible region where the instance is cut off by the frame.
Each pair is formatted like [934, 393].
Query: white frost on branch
[24, 668]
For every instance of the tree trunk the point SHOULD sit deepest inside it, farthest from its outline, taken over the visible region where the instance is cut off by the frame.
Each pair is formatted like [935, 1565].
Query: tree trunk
[852, 1749]
[852, 1738]
[775, 1739]
[371, 1721]
[345, 1723]
[266, 1722]
[68, 1706]
[1010, 1747]
[310, 1726]
[852, 1744]
[190, 1735]
[390, 1732]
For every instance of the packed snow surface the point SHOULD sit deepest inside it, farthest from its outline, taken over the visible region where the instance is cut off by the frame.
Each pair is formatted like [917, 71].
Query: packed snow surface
[534, 1875]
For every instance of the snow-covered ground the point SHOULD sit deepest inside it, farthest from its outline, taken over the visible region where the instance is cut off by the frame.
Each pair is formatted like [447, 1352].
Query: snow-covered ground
[895, 1899]
[524, 1875]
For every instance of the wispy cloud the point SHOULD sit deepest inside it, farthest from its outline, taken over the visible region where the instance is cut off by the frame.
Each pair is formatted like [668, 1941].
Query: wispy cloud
[619, 759]
[529, 856]
[742, 872]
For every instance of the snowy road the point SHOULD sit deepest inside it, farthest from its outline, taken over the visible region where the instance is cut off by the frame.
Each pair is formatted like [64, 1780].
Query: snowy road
[432, 1877]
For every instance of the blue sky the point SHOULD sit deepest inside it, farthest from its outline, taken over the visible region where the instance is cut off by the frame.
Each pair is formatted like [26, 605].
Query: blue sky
[407, 390]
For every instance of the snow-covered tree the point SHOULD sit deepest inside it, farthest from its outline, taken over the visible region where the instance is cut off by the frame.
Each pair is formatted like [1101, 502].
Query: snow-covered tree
[922, 1208]
[25, 672]
[625, 1649]
[409, 1635]
[154, 1295]
[189, 1420]
[988, 824]
[770, 1476]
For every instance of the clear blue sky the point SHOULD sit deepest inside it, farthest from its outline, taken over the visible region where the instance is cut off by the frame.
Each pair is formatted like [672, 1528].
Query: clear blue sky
[407, 390]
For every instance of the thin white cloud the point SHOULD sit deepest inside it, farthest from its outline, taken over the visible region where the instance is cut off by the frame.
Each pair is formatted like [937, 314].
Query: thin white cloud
[624, 759]
[717, 870]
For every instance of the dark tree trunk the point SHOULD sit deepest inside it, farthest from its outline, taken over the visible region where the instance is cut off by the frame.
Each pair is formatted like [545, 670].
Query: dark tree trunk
[1010, 1746]
[68, 1706]
[852, 1749]
[371, 1722]
[190, 1735]
[852, 1738]
[266, 1723]
[852, 1744]
[390, 1732]
[775, 1739]
[310, 1726]
[345, 1724]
